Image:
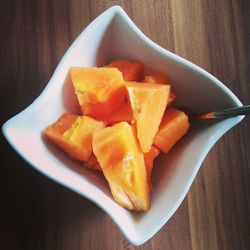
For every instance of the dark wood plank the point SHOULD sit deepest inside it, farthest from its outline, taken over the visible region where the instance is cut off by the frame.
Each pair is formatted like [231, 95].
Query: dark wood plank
[36, 213]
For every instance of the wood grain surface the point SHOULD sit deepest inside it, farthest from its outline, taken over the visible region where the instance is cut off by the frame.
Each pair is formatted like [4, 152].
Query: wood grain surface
[36, 213]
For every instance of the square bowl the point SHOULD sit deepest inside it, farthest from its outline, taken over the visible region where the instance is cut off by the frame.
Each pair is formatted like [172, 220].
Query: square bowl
[111, 36]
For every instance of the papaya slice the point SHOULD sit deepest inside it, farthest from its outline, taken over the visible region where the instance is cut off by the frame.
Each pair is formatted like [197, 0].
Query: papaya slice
[174, 126]
[122, 163]
[131, 71]
[100, 91]
[74, 135]
[148, 102]
[161, 78]
[171, 98]
[54, 132]
[80, 135]
[125, 113]
[92, 163]
[149, 162]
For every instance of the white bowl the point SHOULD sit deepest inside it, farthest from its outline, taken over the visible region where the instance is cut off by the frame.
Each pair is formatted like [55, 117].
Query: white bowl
[110, 36]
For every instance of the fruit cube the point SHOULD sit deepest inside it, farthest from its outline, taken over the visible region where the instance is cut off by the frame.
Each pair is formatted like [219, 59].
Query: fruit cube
[149, 162]
[174, 126]
[92, 163]
[121, 160]
[161, 78]
[123, 114]
[131, 71]
[100, 91]
[148, 102]
[74, 135]
[55, 132]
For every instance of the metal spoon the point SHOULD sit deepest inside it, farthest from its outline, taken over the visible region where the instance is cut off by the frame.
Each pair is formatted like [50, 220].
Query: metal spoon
[224, 113]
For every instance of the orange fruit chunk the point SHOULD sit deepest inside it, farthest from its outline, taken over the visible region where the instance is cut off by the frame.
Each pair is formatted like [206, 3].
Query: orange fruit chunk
[74, 135]
[122, 163]
[131, 71]
[161, 78]
[148, 102]
[80, 135]
[171, 98]
[174, 126]
[54, 132]
[125, 113]
[100, 91]
[92, 163]
[149, 162]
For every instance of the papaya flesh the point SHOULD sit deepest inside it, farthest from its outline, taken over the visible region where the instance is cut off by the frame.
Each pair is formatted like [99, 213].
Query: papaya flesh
[148, 102]
[171, 98]
[74, 135]
[80, 135]
[125, 113]
[174, 126]
[122, 163]
[54, 132]
[92, 163]
[149, 162]
[161, 78]
[100, 91]
[131, 71]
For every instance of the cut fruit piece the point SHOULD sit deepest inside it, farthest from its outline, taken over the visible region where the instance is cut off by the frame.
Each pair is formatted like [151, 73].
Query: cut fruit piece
[149, 160]
[148, 102]
[55, 132]
[121, 160]
[100, 91]
[92, 163]
[161, 78]
[173, 126]
[171, 98]
[80, 135]
[131, 71]
[74, 134]
[123, 114]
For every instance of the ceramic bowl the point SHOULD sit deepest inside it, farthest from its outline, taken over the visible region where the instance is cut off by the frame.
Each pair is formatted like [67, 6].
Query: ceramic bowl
[110, 36]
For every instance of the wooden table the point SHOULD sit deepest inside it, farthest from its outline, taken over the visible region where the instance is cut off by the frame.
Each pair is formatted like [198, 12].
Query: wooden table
[37, 213]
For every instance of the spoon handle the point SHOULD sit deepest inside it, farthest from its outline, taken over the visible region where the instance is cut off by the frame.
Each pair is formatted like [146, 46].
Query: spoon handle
[243, 110]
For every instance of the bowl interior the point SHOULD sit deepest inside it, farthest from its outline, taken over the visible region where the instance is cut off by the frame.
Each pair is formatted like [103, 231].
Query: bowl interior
[111, 36]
